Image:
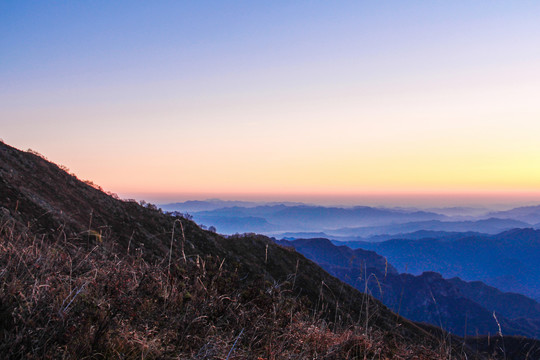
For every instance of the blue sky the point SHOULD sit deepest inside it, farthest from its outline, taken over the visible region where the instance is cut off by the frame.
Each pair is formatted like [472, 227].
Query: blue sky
[235, 99]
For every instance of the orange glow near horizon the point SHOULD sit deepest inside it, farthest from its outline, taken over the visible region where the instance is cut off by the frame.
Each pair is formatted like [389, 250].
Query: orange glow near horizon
[436, 171]
[420, 200]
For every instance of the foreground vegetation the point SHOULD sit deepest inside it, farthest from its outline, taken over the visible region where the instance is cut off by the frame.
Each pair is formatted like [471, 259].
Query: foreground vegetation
[83, 298]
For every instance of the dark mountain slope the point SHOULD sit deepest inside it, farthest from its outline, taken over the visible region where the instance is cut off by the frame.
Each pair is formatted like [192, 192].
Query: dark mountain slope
[87, 275]
[428, 297]
[508, 261]
[510, 305]
[322, 251]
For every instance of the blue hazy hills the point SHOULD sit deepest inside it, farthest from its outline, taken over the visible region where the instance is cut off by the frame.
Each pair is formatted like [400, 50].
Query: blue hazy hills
[432, 266]
[509, 261]
[461, 307]
[346, 223]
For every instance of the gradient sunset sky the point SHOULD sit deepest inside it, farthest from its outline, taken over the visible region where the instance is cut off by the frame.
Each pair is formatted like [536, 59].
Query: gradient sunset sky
[389, 102]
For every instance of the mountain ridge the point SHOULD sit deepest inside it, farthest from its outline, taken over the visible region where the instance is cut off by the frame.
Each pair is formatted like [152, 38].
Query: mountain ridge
[458, 306]
[507, 261]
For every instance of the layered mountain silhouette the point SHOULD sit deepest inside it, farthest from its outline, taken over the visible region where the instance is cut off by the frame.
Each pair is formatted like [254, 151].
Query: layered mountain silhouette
[191, 206]
[354, 242]
[343, 223]
[458, 306]
[507, 261]
[489, 226]
[529, 214]
[287, 217]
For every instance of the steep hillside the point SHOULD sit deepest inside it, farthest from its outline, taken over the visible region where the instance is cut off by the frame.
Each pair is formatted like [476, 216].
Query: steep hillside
[83, 274]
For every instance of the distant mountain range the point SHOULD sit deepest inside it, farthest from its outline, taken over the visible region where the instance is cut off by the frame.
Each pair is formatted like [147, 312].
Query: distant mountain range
[529, 214]
[305, 217]
[489, 226]
[346, 223]
[509, 261]
[231, 224]
[214, 204]
[353, 241]
[458, 306]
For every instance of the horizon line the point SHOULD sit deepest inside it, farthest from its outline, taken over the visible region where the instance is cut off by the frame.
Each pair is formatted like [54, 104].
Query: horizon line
[416, 199]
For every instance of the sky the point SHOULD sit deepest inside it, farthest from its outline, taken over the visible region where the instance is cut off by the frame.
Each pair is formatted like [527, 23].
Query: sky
[416, 102]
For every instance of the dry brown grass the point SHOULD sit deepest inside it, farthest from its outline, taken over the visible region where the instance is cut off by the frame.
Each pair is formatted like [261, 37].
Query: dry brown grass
[61, 300]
